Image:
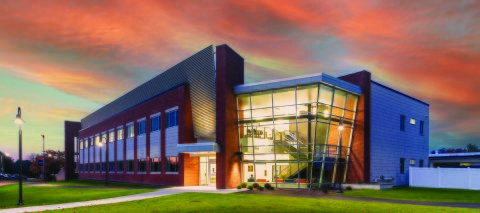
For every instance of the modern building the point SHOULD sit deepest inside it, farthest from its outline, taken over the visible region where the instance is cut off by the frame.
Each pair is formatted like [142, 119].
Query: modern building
[455, 160]
[198, 123]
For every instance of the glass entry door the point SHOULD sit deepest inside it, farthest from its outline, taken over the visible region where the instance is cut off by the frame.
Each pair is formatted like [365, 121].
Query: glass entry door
[208, 171]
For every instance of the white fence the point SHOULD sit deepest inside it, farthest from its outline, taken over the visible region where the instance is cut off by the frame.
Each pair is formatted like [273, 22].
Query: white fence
[459, 178]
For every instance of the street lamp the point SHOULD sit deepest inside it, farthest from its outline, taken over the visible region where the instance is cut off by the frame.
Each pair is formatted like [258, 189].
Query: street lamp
[43, 157]
[105, 164]
[19, 121]
[340, 130]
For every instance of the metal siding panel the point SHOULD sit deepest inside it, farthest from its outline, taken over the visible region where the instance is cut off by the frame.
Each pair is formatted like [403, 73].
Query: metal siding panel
[197, 70]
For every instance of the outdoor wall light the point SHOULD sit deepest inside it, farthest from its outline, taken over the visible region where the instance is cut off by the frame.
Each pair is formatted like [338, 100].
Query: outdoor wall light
[325, 113]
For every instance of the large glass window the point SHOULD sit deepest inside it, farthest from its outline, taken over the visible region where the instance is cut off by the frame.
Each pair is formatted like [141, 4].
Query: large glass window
[172, 164]
[141, 127]
[155, 165]
[172, 118]
[130, 132]
[120, 134]
[155, 123]
[142, 165]
[296, 137]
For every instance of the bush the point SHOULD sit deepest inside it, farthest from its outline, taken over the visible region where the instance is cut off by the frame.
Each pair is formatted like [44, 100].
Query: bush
[250, 187]
[255, 185]
[244, 185]
[349, 188]
[239, 187]
[268, 186]
[325, 187]
[260, 188]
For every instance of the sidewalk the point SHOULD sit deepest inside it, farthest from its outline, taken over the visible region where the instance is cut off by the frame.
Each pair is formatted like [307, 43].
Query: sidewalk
[158, 193]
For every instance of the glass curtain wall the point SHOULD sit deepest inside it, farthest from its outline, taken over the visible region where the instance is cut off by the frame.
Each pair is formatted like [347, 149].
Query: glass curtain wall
[296, 137]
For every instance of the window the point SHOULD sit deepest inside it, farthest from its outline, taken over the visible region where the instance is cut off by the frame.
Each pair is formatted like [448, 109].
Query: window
[420, 162]
[130, 132]
[120, 166]
[141, 127]
[155, 165]
[413, 121]
[142, 165]
[172, 164]
[97, 167]
[92, 167]
[402, 122]
[412, 162]
[111, 136]
[421, 127]
[155, 123]
[172, 118]
[111, 166]
[130, 165]
[402, 165]
[119, 134]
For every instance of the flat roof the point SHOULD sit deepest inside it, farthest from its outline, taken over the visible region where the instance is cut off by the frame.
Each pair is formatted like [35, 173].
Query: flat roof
[462, 154]
[298, 80]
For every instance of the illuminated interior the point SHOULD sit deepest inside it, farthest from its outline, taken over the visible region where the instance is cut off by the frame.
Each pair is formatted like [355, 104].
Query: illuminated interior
[292, 137]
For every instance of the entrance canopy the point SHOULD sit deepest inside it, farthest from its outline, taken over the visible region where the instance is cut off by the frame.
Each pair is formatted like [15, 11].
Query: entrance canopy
[198, 148]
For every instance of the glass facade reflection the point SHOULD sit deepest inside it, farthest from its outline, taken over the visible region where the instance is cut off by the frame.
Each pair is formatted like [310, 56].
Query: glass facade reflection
[291, 136]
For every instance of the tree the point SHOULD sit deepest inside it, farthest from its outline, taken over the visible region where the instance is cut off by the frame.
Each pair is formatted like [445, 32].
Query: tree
[7, 164]
[472, 148]
[54, 161]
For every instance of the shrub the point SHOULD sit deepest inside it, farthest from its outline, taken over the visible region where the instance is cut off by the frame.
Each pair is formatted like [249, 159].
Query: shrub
[250, 187]
[239, 187]
[268, 186]
[244, 185]
[349, 188]
[325, 187]
[255, 185]
[260, 188]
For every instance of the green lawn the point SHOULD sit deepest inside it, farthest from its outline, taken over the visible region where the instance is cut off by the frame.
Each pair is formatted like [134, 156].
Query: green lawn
[204, 202]
[64, 192]
[420, 194]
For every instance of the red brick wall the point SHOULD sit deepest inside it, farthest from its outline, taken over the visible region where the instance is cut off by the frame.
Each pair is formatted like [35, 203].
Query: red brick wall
[179, 96]
[229, 74]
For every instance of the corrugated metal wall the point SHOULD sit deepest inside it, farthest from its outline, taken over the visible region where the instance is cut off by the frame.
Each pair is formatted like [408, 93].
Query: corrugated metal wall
[198, 71]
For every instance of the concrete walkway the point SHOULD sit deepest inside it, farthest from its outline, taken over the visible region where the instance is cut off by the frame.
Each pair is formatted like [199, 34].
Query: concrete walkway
[158, 193]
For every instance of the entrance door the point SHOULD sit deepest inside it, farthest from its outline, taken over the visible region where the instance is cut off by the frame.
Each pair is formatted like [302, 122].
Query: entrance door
[212, 172]
[208, 171]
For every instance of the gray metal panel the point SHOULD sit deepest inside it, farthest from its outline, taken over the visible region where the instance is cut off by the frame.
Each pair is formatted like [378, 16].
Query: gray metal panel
[198, 71]
[299, 80]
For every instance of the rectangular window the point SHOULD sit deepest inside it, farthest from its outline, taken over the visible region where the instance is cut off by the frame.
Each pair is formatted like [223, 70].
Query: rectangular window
[111, 166]
[111, 136]
[141, 127]
[155, 123]
[172, 164]
[413, 121]
[120, 168]
[119, 134]
[402, 165]
[142, 165]
[420, 162]
[130, 132]
[421, 127]
[97, 167]
[172, 118]
[402, 122]
[92, 167]
[130, 165]
[155, 165]
[412, 162]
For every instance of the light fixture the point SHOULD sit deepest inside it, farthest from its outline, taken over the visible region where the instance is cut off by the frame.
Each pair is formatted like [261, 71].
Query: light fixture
[18, 120]
[340, 128]
[325, 113]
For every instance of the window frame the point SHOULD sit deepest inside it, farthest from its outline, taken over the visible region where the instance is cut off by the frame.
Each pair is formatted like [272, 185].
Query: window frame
[403, 119]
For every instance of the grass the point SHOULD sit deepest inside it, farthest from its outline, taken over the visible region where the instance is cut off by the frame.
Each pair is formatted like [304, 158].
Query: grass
[420, 194]
[65, 192]
[204, 202]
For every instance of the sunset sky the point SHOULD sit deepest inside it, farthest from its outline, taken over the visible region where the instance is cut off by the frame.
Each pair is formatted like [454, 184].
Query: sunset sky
[61, 61]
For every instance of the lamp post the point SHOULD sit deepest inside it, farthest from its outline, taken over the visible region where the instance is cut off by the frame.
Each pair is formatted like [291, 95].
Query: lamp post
[19, 121]
[43, 157]
[340, 130]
